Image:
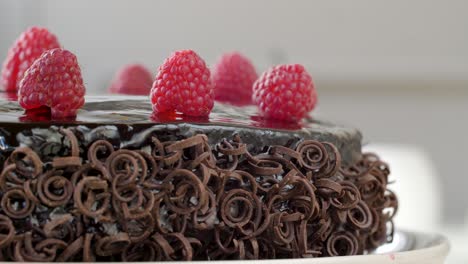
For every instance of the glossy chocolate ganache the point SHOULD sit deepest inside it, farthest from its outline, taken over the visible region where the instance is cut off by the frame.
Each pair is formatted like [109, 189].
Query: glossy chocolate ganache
[118, 183]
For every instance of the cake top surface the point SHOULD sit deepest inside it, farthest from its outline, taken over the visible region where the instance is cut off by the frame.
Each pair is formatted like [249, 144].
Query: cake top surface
[223, 122]
[129, 110]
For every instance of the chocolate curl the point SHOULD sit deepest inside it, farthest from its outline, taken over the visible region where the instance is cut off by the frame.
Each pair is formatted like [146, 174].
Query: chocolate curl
[238, 180]
[71, 250]
[58, 226]
[74, 146]
[99, 151]
[296, 191]
[16, 204]
[141, 208]
[30, 189]
[302, 241]
[96, 170]
[9, 178]
[111, 245]
[181, 246]
[205, 218]
[28, 164]
[342, 243]
[360, 217]
[74, 159]
[44, 251]
[348, 198]
[224, 239]
[265, 167]
[66, 162]
[145, 251]
[319, 231]
[314, 155]
[328, 188]
[128, 163]
[370, 187]
[266, 249]
[139, 229]
[391, 204]
[170, 160]
[7, 231]
[282, 227]
[242, 210]
[184, 192]
[54, 190]
[88, 255]
[167, 221]
[152, 167]
[230, 153]
[86, 187]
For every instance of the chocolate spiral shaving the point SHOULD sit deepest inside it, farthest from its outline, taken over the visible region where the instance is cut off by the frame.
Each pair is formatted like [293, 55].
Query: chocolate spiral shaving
[53, 189]
[99, 151]
[144, 251]
[167, 221]
[185, 193]
[169, 160]
[28, 164]
[205, 217]
[87, 170]
[139, 229]
[87, 188]
[43, 251]
[15, 204]
[230, 153]
[348, 198]
[7, 231]
[342, 243]
[73, 160]
[9, 178]
[71, 250]
[128, 163]
[243, 211]
[315, 157]
[360, 217]
[111, 245]
[60, 227]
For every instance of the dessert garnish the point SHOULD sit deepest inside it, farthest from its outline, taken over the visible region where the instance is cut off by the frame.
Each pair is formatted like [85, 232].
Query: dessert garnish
[183, 84]
[285, 92]
[133, 79]
[28, 47]
[233, 77]
[54, 80]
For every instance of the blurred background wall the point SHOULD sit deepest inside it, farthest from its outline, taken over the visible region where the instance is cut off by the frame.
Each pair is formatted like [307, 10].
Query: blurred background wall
[397, 69]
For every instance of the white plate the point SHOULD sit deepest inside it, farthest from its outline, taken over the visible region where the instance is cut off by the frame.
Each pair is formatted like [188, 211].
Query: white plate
[407, 247]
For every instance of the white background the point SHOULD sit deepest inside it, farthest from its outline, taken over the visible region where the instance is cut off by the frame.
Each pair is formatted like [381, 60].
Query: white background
[396, 69]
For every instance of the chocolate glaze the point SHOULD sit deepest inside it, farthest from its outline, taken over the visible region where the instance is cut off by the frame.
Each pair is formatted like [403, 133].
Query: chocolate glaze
[131, 114]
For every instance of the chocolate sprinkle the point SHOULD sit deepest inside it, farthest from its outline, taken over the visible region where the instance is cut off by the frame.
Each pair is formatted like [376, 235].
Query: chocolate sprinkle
[184, 199]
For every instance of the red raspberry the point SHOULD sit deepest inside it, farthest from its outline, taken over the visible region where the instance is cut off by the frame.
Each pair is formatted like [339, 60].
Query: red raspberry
[54, 80]
[233, 77]
[285, 92]
[27, 48]
[183, 84]
[132, 79]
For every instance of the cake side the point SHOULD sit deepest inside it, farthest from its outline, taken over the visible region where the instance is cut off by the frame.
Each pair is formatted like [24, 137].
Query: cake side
[79, 193]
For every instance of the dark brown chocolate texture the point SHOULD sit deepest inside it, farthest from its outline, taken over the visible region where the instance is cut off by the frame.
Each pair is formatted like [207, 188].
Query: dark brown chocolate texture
[81, 194]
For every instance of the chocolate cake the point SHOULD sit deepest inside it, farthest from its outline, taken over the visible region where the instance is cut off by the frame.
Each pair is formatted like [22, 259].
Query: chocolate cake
[118, 183]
